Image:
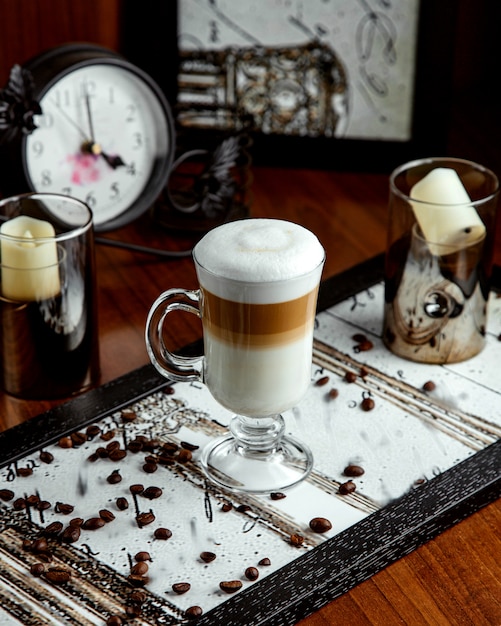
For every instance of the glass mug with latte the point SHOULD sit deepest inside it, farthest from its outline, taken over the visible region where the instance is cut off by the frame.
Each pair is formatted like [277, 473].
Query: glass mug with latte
[257, 300]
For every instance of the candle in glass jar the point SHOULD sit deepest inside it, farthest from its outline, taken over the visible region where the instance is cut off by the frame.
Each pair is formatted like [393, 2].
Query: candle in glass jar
[29, 260]
[444, 211]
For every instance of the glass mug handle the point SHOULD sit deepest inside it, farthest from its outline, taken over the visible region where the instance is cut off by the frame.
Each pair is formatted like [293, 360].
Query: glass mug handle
[173, 366]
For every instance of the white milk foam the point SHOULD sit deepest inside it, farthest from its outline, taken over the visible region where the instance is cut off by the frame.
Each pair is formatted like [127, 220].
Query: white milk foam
[260, 253]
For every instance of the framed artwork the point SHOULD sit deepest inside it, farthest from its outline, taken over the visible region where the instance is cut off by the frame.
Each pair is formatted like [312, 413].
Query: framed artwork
[92, 488]
[327, 83]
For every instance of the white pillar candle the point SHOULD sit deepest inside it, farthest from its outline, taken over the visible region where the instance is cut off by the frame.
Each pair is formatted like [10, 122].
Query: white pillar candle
[444, 212]
[30, 268]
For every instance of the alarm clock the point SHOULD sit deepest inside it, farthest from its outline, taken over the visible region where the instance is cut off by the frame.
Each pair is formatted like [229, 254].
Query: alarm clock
[82, 121]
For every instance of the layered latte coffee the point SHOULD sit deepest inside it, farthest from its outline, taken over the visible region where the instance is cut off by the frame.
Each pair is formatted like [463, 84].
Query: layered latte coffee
[259, 281]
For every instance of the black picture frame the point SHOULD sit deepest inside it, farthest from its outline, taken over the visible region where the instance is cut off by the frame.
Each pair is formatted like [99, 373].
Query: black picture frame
[158, 55]
[340, 563]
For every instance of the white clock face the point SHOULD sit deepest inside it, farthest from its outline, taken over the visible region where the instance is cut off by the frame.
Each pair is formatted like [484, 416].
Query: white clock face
[101, 133]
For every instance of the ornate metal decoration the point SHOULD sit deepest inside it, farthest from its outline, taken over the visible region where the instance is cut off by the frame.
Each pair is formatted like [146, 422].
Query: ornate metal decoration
[17, 105]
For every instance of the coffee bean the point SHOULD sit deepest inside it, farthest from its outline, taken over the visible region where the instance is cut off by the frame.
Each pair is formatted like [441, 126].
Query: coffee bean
[107, 435]
[132, 611]
[367, 404]
[322, 381]
[162, 533]
[265, 562]
[320, 525]
[93, 523]
[65, 442]
[230, 586]
[46, 457]
[58, 575]
[243, 508]
[350, 377]
[78, 439]
[19, 504]
[37, 569]
[24, 472]
[63, 508]
[365, 346]
[193, 612]
[143, 519]
[151, 493]
[353, 470]
[150, 468]
[296, 540]
[135, 446]
[181, 588]
[139, 568]
[128, 415]
[226, 507]
[189, 446]
[118, 454]
[40, 545]
[71, 534]
[137, 596]
[92, 431]
[76, 522]
[429, 386]
[359, 337]
[136, 489]
[169, 447]
[122, 504]
[114, 620]
[364, 372]
[184, 456]
[143, 556]
[102, 453]
[112, 445]
[43, 505]
[6, 495]
[32, 500]
[106, 515]
[333, 393]
[137, 580]
[207, 557]
[277, 495]
[252, 573]
[53, 529]
[347, 488]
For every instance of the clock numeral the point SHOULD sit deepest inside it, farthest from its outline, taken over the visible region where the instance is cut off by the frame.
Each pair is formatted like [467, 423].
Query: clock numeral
[37, 148]
[115, 191]
[46, 178]
[66, 191]
[46, 120]
[62, 98]
[131, 169]
[88, 88]
[138, 141]
[90, 199]
[131, 113]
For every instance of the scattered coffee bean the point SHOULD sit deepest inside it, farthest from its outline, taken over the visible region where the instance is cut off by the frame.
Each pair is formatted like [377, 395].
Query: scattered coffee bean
[107, 435]
[118, 454]
[277, 495]
[137, 596]
[207, 557]
[350, 377]
[143, 519]
[114, 620]
[322, 381]
[65, 442]
[24, 472]
[143, 556]
[58, 575]
[364, 346]
[320, 525]
[113, 445]
[114, 478]
[169, 390]
[43, 505]
[136, 489]
[106, 515]
[76, 522]
[140, 568]
[102, 453]
[132, 611]
[53, 529]
[27, 544]
[128, 415]
[92, 431]
[63, 508]
[429, 386]
[137, 580]
[353, 470]
[181, 588]
[243, 508]
[252, 573]
[162, 533]
[135, 445]
[152, 493]
[169, 447]
[333, 393]
[93, 523]
[296, 540]
[6, 495]
[265, 562]
[19, 504]
[37, 569]
[32, 500]
[364, 372]
[359, 337]
[193, 612]
[230, 586]
[347, 487]
[71, 534]
[46, 457]
[226, 507]
[367, 404]
[40, 545]
[150, 468]
[78, 439]
[184, 456]
[122, 504]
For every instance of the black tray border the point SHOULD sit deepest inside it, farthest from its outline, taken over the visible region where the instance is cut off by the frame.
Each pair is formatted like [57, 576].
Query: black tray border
[336, 566]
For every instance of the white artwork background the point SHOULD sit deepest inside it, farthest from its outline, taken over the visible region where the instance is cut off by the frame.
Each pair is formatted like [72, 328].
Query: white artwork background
[375, 40]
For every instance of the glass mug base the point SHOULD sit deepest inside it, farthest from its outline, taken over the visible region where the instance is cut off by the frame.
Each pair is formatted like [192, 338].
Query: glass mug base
[263, 461]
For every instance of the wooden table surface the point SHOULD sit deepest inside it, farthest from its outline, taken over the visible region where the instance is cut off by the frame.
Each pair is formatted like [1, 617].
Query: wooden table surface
[453, 579]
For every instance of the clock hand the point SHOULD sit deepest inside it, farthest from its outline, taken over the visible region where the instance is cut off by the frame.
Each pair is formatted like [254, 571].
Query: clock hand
[70, 120]
[93, 146]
